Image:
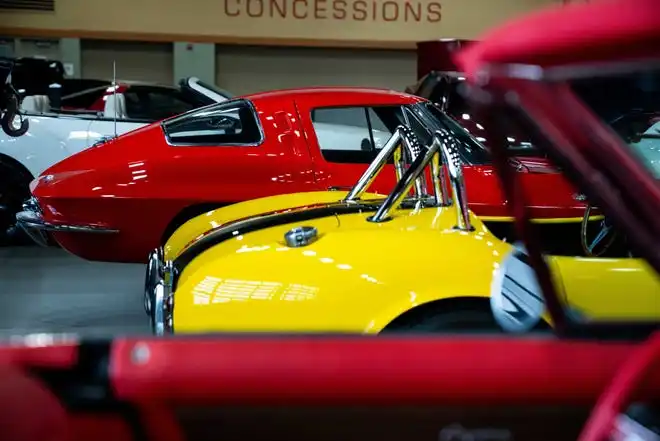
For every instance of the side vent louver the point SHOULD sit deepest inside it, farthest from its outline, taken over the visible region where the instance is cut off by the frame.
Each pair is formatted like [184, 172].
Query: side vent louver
[27, 5]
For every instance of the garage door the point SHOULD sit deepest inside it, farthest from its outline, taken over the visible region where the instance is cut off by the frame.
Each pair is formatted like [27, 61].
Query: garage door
[6, 47]
[135, 61]
[248, 69]
[27, 47]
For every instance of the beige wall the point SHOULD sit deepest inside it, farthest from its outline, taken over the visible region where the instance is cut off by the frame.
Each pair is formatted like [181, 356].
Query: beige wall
[251, 69]
[345, 20]
[134, 61]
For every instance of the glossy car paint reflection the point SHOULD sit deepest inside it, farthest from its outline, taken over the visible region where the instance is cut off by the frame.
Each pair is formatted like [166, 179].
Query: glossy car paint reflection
[334, 283]
[595, 286]
[254, 282]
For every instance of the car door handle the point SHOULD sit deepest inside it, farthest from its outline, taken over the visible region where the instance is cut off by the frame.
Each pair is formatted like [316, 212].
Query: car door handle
[103, 139]
[339, 188]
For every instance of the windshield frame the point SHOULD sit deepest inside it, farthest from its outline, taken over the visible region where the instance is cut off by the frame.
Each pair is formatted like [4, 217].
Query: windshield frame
[215, 89]
[472, 153]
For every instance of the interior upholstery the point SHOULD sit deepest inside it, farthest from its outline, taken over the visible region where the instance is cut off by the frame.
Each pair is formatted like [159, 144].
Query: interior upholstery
[115, 105]
[36, 104]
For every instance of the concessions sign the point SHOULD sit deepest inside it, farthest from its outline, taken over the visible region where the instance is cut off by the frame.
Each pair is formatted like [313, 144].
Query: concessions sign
[416, 11]
[379, 23]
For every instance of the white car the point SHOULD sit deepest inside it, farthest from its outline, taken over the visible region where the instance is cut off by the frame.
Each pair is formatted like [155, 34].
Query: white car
[55, 135]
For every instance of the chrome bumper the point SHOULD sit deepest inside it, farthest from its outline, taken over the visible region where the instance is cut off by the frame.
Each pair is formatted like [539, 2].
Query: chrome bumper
[158, 293]
[32, 222]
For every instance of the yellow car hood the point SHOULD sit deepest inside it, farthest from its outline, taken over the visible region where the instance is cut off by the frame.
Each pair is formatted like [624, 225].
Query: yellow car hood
[254, 282]
[198, 226]
[358, 275]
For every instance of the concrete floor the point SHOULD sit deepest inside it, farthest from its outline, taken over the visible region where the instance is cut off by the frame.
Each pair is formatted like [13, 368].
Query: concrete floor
[49, 290]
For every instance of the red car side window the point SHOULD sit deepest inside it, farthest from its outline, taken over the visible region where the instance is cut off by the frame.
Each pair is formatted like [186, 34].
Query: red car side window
[229, 123]
[354, 134]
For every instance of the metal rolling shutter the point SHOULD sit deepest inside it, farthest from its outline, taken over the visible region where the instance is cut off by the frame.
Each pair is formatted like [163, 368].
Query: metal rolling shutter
[246, 69]
[135, 61]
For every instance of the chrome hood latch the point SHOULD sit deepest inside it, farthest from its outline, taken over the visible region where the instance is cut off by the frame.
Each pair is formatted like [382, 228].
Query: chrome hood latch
[300, 236]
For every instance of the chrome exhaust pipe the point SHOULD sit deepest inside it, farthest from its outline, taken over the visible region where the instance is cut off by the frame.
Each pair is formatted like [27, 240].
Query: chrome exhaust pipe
[404, 185]
[404, 138]
[443, 147]
[454, 168]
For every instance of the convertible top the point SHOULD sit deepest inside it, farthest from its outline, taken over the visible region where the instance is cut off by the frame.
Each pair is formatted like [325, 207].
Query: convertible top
[568, 34]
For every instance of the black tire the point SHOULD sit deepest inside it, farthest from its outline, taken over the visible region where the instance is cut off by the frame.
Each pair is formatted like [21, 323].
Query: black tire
[7, 120]
[14, 190]
[469, 320]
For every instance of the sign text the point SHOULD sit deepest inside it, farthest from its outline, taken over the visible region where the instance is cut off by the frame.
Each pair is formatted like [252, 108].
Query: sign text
[356, 10]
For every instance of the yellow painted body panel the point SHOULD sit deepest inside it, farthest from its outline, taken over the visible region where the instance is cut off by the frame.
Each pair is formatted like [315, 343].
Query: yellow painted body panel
[359, 276]
[604, 288]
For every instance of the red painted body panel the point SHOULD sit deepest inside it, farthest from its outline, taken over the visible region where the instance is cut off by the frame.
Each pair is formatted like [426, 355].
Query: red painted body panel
[138, 183]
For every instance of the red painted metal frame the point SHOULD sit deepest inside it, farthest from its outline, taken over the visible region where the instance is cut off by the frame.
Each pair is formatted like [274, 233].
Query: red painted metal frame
[602, 31]
[639, 367]
[336, 370]
[437, 55]
[309, 371]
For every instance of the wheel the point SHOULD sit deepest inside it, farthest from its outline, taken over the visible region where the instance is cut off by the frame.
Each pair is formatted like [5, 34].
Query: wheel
[595, 245]
[14, 190]
[467, 319]
[151, 279]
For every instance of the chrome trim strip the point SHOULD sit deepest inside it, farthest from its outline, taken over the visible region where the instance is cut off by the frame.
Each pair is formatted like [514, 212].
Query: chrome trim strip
[32, 222]
[158, 293]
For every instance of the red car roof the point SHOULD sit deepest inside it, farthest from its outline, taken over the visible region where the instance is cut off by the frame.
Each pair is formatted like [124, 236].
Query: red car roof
[333, 95]
[566, 34]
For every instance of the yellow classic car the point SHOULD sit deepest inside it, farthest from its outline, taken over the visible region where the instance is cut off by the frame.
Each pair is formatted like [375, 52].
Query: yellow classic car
[367, 263]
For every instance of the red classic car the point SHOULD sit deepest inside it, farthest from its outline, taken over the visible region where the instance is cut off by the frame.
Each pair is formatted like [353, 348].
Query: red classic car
[119, 200]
